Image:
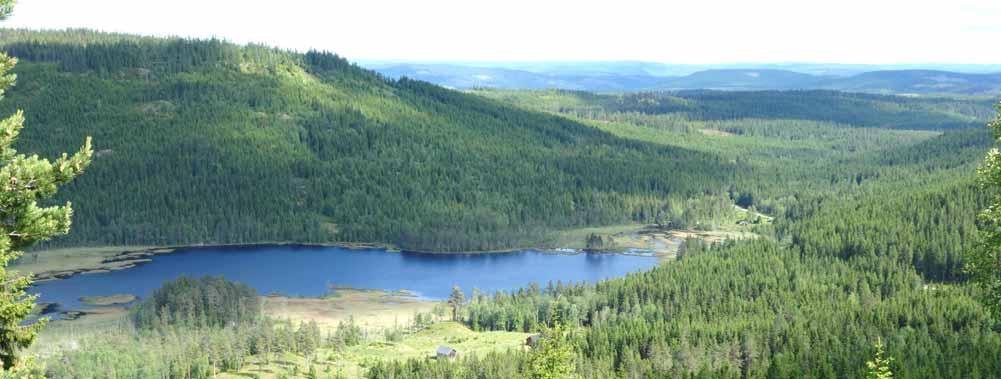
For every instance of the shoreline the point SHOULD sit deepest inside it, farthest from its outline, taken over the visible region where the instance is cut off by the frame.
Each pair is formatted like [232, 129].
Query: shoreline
[129, 258]
[110, 258]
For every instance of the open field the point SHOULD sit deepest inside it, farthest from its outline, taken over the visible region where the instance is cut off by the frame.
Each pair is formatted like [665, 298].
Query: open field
[372, 310]
[351, 361]
[661, 242]
[577, 238]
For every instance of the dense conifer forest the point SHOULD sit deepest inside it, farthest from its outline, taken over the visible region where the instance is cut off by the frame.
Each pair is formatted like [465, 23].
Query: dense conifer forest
[839, 274]
[207, 142]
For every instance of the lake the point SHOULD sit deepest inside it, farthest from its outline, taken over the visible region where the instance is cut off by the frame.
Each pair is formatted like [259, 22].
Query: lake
[313, 270]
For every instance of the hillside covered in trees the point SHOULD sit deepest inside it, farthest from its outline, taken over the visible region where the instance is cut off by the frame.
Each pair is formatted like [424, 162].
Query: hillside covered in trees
[840, 273]
[210, 142]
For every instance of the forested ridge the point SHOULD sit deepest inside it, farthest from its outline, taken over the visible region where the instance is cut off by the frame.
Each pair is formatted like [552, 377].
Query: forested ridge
[854, 109]
[209, 142]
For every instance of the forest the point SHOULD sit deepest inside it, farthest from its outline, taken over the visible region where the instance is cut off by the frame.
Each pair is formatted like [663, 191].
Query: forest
[882, 263]
[873, 197]
[211, 142]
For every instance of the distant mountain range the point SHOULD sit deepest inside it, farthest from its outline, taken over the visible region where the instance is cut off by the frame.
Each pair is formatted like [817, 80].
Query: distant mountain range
[640, 76]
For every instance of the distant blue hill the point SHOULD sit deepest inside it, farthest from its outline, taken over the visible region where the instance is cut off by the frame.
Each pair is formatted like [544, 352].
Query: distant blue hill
[746, 79]
[456, 76]
[920, 81]
[640, 76]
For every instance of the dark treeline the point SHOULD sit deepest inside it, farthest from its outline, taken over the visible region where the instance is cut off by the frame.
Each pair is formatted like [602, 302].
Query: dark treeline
[856, 109]
[204, 302]
[84, 50]
[207, 142]
[929, 229]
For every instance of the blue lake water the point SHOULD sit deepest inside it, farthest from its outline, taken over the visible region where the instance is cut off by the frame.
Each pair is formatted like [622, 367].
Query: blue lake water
[313, 270]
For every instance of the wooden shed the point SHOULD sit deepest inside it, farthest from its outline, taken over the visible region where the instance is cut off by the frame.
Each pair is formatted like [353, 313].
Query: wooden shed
[445, 352]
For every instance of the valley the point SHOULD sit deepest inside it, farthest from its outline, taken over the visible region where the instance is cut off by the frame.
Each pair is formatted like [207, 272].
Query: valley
[250, 211]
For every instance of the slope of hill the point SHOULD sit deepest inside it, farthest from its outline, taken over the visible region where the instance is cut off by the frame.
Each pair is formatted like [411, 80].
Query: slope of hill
[881, 262]
[920, 81]
[744, 79]
[208, 142]
[848, 109]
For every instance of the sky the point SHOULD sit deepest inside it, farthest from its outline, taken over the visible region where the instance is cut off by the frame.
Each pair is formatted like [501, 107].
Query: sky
[669, 31]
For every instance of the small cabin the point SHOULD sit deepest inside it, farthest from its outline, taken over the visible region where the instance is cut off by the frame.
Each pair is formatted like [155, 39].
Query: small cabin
[532, 340]
[445, 352]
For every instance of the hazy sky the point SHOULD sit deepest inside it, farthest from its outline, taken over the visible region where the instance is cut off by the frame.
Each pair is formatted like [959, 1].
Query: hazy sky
[695, 31]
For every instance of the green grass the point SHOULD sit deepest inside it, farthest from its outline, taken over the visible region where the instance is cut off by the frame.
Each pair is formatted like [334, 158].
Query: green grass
[108, 300]
[577, 238]
[353, 360]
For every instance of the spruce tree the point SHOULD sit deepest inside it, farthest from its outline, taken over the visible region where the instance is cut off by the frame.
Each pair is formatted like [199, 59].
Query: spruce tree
[553, 356]
[983, 263]
[879, 366]
[25, 180]
[455, 300]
